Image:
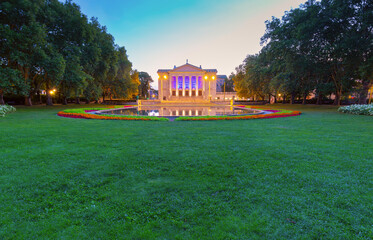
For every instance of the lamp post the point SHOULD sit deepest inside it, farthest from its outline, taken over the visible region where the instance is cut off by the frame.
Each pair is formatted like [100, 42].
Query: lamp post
[206, 79]
[209, 80]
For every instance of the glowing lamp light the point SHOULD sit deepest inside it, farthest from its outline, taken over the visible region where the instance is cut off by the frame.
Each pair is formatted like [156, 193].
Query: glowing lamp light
[205, 77]
[213, 77]
[54, 90]
[279, 94]
[51, 92]
[165, 76]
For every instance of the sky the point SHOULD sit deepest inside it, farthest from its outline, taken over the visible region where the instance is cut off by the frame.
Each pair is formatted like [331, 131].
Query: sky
[159, 34]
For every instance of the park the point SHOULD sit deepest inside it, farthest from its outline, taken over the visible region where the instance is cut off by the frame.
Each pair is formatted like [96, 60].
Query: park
[95, 146]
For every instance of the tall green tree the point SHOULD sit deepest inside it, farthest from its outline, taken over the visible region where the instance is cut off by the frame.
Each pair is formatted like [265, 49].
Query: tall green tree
[11, 82]
[53, 45]
[321, 44]
[145, 81]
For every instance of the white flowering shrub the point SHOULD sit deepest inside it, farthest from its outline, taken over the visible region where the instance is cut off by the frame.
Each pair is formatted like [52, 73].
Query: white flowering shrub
[5, 109]
[365, 109]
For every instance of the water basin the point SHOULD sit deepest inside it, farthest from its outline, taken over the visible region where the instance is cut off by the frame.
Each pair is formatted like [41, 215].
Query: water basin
[176, 111]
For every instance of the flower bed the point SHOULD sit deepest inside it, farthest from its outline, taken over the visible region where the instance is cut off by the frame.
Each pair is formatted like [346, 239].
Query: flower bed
[6, 109]
[274, 114]
[86, 113]
[362, 109]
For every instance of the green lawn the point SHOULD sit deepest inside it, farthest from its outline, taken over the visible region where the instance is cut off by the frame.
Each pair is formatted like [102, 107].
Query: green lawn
[303, 177]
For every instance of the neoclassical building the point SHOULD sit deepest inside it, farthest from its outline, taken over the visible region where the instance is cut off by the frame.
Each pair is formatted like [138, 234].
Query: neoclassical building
[187, 83]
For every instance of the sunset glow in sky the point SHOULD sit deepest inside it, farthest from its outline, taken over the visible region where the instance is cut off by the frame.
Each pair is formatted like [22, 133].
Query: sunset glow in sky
[163, 33]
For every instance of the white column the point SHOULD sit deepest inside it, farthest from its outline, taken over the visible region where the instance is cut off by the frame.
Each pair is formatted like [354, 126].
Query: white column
[177, 86]
[190, 86]
[170, 84]
[183, 86]
[197, 77]
[203, 87]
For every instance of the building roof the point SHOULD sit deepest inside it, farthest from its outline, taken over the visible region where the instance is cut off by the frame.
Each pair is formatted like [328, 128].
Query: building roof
[164, 70]
[188, 66]
[221, 76]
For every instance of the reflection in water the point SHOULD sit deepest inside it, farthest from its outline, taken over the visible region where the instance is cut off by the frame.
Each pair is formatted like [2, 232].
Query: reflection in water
[176, 111]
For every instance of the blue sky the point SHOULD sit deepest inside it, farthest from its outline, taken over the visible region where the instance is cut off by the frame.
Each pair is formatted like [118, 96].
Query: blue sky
[163, 33]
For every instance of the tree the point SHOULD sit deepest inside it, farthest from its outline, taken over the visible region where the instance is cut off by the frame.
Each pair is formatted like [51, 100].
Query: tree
[11, 83]
[22, 40]
[228, 84]
[312, 48]
[145, 81]
[53, 45]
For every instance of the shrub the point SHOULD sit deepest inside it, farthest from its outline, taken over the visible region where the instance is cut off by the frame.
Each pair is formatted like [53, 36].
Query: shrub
[5, 109]
[365, 109]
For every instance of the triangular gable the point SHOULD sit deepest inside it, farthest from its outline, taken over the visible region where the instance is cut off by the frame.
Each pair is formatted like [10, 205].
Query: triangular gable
[187, 68]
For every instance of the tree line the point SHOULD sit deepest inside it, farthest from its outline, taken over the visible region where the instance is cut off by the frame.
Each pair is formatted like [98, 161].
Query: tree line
[323, 47]
[49, 45]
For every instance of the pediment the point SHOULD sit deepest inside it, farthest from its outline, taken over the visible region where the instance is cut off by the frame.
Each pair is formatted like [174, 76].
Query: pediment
[187, 68]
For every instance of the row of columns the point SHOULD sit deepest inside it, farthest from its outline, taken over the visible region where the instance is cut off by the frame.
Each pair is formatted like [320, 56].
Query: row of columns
[183, 85]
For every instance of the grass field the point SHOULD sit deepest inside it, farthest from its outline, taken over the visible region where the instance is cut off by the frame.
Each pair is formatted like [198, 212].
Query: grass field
[303, 177]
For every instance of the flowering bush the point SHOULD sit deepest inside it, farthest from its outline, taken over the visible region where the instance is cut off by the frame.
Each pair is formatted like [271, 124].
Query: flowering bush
[362, 109]
[5, 109]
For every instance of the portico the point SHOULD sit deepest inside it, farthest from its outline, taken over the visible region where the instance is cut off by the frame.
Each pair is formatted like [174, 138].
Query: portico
[186, 83]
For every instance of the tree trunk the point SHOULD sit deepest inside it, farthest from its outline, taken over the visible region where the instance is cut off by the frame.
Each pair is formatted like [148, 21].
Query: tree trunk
[28, 101]
[2, 99]
[337, 100]
[87, 101]
[49, 99]
[304, 99]
[319, 99]
[77, 100]
[284, 99]
[39, 95]
[64, 101]
[364, 93]
[292, 98]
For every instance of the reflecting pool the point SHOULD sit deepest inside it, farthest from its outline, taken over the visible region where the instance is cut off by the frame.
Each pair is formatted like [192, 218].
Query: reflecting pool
[176, 111]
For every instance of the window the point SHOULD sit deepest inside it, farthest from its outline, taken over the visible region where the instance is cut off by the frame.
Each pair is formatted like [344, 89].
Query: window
[193, 82]
[199, 82]
[173, 82]
[180, 82]
[186, 82]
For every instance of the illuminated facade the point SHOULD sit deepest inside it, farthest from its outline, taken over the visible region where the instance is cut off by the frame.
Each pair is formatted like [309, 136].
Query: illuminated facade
[187, 83]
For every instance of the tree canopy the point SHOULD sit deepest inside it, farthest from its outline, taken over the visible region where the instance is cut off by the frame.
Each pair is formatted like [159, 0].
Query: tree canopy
[323, 47]
[47, 44]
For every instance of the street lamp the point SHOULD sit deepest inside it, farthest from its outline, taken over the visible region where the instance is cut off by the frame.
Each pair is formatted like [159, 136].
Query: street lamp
[209, 80]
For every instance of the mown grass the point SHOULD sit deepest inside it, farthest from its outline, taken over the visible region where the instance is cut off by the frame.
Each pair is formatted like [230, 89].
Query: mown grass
[300, 177]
